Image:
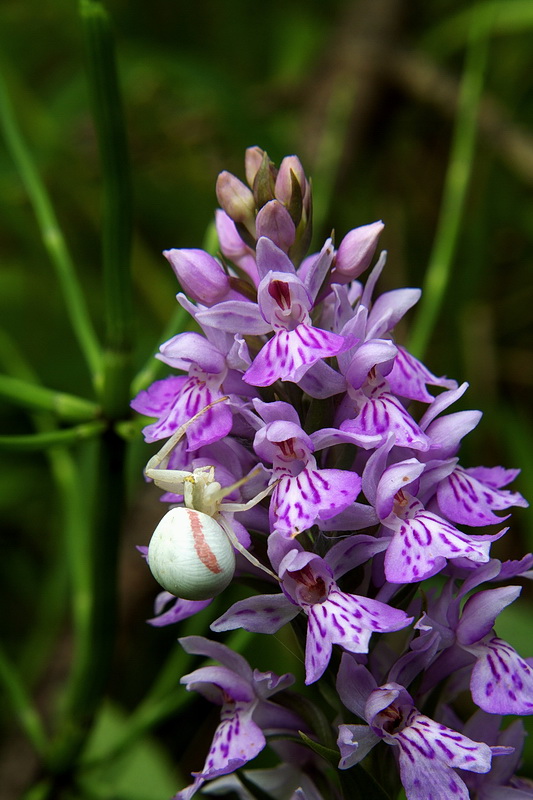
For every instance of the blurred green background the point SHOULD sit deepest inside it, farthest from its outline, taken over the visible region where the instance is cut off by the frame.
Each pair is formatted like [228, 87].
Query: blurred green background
[366, 94]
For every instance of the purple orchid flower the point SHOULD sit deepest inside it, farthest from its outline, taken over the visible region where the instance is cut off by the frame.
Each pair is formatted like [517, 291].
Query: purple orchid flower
[279, 325]
[283, 307]
[309, 585]
[373, 410]
[500, 783]
[246, 710]
[429, 753]
[422, 541]
[175, 400]
[376, 370]
[501, 682]
[303, 493]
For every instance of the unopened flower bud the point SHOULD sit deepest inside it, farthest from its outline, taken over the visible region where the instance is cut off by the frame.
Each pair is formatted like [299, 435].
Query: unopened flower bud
[356, 250]
[199, 274]
[284, 180]
[264, 182]
[236, 199]
[252, 161]
[274, 222]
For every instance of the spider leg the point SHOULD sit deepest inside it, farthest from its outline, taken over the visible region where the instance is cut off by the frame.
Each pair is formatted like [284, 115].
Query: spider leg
[233, 507]
[238, 546]
[171, 480]
[163, 455]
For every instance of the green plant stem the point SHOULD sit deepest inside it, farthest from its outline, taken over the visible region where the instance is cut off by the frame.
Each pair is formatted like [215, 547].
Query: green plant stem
[30, 395]
[52, 237]
[117, 210]
[95, 564]
[74, 521]
[33, 442]
[22, 704]
[91, 561]
[96, 634]
[456, 185]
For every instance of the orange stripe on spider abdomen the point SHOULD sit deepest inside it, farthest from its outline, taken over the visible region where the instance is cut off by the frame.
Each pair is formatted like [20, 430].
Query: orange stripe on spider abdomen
[201, 545]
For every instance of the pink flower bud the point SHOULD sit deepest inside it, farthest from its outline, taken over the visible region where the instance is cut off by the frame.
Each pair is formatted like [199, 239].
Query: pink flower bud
[252, 161]
[236, 199]
[199, 274]
[284, 179]
[356, 250]
[274, 222]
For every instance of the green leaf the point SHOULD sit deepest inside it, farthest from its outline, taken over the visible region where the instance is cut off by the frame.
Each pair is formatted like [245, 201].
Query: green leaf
[358, 784]
[253, 788]
[327, 753]
[143, 772]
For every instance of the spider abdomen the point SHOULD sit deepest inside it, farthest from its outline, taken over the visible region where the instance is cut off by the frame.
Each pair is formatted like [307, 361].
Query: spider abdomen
[190, 555]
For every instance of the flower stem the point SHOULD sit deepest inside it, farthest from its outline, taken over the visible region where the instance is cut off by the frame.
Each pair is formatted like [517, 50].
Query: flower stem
[94, 559]
[117, 211]
[22, 704]
[455, 192]
[52, 237]
[31, 395]
[33, 442]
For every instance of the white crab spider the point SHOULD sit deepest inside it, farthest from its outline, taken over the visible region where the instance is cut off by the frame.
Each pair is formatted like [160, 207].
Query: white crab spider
[191, 551]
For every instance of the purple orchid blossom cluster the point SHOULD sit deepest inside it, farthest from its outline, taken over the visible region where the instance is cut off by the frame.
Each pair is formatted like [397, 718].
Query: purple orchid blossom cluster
[369, 525]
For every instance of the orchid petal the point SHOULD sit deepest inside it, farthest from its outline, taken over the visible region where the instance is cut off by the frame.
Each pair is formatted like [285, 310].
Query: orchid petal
[480, 613]
[235, 316]
[421, 545]
[261, 614]
[501, 681]
[382, 415]
[354, 743]
[180, 609]
[159, 397]
[289, 354]
[297, 501]
[388, 310]
[409, 377]
[468, 501]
